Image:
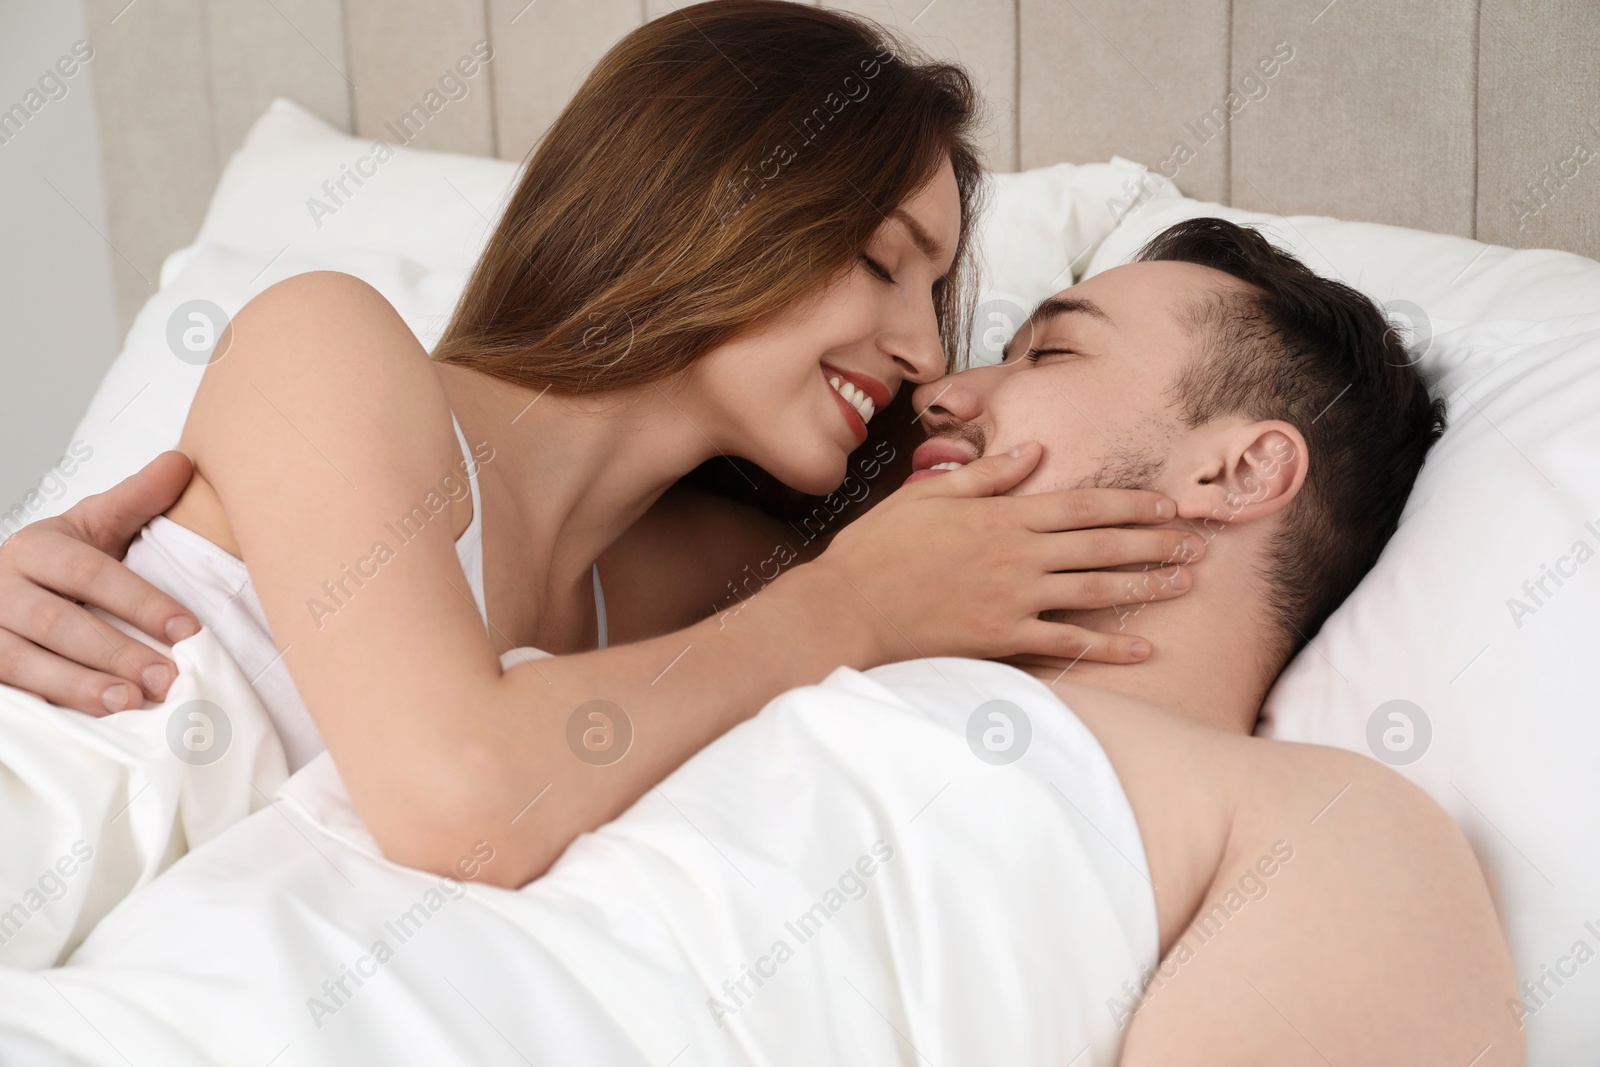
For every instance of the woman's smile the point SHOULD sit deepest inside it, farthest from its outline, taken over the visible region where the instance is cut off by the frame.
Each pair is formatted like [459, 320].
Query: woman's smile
[858, 395]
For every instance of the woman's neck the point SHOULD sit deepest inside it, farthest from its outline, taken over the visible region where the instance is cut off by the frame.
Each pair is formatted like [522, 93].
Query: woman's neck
[578, 471]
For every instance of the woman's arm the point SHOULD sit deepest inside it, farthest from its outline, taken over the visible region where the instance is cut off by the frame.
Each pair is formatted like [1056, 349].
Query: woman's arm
[315, 435]
[693, 553]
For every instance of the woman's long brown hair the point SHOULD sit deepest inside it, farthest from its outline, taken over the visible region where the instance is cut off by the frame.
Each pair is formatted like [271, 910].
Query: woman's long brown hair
[719, 164]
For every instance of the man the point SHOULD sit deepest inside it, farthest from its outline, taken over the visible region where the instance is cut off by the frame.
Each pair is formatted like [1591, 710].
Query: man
[1277, 408]
[1282, 416]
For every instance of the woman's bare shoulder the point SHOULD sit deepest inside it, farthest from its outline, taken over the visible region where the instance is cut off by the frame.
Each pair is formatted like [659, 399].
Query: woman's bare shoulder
[327, 356]
[312, 333]
[328, 306]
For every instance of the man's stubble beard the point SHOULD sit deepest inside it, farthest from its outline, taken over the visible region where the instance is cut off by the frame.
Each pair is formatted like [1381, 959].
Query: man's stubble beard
[1128, 467]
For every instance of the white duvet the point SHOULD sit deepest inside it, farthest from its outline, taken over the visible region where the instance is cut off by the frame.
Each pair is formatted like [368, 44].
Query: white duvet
[841, 879]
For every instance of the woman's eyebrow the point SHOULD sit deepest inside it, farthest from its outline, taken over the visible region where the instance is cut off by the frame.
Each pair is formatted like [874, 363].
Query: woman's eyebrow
[930, 248]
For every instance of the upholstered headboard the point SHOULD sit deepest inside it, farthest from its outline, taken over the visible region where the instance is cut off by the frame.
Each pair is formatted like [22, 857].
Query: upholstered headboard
[1472, 117]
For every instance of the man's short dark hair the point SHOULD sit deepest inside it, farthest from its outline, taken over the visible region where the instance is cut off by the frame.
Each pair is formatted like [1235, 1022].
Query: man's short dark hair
[1322, 357]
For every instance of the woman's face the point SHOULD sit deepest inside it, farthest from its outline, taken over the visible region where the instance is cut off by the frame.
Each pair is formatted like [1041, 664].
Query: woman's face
[795, 396]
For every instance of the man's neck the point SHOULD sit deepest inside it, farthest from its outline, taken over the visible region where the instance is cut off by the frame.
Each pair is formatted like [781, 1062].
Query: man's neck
[1214, 648]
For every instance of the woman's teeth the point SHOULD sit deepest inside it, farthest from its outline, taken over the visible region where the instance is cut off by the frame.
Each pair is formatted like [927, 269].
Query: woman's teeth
[858, 400]
[948, 466]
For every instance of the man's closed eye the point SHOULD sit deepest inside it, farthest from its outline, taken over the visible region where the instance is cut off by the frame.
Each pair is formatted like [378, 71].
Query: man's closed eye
[1033, 355]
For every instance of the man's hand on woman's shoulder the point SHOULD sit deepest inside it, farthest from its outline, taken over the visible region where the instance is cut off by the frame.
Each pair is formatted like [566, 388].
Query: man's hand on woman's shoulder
[52, 571]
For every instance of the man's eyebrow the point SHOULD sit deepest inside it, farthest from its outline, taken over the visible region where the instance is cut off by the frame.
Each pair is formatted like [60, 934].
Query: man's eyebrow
[1058, 305]
[1068, 305]
[920, 237]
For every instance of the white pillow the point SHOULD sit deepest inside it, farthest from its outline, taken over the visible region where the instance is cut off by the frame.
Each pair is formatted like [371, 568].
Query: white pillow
[1038, 231]
[1495, 677]
[281, 189]
[1430, 280]
[140, 407]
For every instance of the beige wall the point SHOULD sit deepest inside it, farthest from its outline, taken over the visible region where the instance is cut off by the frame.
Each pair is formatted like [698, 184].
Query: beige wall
[1461, 116]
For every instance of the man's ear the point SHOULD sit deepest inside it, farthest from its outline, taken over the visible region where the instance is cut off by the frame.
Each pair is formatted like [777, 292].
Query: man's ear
[1243, 472]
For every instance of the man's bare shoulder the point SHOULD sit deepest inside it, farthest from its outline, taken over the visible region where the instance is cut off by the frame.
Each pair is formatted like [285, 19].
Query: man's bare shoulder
[1314, 904]
[1184, 781]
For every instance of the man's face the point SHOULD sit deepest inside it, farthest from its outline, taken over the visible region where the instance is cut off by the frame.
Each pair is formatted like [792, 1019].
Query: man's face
[1088, 376]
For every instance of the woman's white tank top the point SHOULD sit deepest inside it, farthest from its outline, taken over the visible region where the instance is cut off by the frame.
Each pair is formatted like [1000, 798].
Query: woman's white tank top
[216, 586]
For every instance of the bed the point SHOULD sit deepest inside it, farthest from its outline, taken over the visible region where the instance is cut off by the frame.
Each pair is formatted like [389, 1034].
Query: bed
[1437, 158]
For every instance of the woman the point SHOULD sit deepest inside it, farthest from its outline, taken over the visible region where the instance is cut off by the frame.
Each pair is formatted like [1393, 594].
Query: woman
[746, 230]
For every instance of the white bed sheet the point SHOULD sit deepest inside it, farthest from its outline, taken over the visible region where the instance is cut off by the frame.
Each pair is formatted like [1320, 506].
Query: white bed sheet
[972, 913]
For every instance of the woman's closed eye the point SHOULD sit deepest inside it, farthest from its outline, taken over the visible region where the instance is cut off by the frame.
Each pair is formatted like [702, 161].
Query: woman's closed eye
[877, 268]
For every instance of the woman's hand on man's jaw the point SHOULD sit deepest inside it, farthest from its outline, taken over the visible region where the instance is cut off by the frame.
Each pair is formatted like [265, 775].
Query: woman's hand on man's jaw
[948, 566]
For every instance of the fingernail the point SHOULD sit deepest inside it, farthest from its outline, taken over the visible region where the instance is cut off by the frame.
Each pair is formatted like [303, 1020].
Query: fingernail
[117, 697]
[156, 677]
[1192, 548]
[1165, 509]
[1140, 649]
[180, 627]
[1020, 449]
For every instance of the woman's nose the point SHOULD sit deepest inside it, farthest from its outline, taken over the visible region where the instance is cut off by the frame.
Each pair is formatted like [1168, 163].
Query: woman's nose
[916, 346]
[950, 396]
